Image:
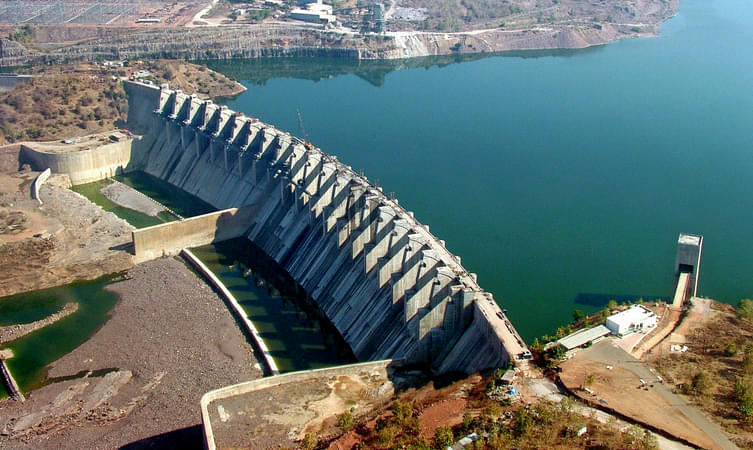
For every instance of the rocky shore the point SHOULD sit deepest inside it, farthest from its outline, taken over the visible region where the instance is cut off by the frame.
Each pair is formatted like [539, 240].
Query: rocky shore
[13, 332]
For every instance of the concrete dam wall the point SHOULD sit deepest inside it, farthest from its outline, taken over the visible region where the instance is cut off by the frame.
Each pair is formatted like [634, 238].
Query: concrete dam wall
[82, 166]
[387, 284]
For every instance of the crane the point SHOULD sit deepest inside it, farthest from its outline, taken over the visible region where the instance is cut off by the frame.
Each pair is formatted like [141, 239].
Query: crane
[306, 141]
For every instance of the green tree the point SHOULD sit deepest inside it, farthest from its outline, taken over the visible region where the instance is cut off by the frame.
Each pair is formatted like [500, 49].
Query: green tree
[701, 384]
[578, 315]
[745, 309]
[443, 438]
[612, 304]
[730, 349]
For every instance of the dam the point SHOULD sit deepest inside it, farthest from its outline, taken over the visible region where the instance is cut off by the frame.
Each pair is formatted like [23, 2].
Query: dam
[387, 284]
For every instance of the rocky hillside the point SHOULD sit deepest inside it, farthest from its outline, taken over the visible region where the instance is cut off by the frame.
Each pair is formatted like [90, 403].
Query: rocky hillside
[517, 25]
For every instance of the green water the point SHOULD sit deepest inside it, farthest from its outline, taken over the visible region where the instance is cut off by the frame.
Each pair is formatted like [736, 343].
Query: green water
[135, 218]
[173, 198]
[35, 351]
[297, 334]
[562, 178]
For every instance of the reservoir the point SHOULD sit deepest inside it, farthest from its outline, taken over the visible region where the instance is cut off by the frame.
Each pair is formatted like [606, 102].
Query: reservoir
[562, 178]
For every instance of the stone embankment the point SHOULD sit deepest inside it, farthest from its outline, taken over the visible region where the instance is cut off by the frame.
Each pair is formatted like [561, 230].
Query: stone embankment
[13, 332]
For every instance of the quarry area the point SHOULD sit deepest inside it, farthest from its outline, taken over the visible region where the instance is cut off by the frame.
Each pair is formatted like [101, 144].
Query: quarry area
[66, 32]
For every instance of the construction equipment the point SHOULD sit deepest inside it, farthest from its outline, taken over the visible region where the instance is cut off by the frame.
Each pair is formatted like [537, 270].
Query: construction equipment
[305, 135]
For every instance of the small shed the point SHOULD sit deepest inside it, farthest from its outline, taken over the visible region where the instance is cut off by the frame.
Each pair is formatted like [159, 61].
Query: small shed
[635, 318]
[583, 337]
[507, 378]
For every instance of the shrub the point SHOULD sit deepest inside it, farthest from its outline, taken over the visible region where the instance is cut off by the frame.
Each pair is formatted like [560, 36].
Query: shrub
[345, 421]
[745, 309]
[386, 436]
[443, 438]
[701, 384]
[522, 422]
[748, 360]
[730, 349]
[492, 411]
[309, 442]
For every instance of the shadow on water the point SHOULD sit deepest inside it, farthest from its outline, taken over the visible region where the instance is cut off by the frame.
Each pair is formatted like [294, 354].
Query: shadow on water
[297, 333]
[260, 70]
[176, 199]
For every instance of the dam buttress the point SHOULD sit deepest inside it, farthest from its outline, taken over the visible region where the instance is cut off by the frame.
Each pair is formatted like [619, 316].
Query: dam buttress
[385, 282]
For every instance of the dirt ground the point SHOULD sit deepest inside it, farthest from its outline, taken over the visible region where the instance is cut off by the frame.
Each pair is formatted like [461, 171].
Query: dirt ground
[706, 332]
[64, 239]
[615, 379]
[279, 416]
[170, 340]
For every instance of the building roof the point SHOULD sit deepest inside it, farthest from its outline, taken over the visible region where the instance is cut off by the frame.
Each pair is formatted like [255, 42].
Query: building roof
[582, 337]
[634, 314]
[689, 239]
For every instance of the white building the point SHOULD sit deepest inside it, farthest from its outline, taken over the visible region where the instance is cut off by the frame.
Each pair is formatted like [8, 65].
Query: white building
[635, 318]
[314, 12]
[583, 337]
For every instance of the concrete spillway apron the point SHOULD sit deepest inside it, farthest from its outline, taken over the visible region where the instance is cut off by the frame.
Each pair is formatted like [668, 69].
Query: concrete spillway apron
[250, 328]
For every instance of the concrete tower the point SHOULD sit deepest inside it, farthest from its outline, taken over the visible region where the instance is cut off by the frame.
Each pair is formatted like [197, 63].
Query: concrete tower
[689, 248]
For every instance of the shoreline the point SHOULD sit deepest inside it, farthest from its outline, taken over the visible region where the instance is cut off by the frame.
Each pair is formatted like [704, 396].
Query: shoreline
[289, 39]
[12, 332]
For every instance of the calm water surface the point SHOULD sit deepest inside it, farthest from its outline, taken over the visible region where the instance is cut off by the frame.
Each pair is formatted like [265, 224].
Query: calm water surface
[297, 334]
[36, 350]
[559, 179]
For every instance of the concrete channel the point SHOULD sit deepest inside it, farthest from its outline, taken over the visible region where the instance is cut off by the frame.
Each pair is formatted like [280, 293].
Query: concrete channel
[237, 310]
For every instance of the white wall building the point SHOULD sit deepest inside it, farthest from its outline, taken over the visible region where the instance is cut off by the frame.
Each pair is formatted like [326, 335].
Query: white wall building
[635, 318]
[315, 12]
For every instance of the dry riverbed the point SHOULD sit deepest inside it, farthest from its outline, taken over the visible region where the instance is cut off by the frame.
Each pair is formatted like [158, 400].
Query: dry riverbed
[170, 340]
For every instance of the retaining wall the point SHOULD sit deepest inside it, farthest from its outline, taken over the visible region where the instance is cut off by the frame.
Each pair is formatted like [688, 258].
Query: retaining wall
[261, 347]
[169, 238]
[264, 383]
[37, 185]
[82, 166]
